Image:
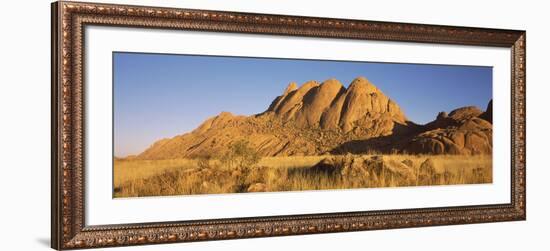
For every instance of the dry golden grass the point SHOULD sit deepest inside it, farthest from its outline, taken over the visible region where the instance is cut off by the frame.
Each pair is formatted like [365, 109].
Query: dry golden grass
[135, 178]
[291, 161]
[133, 170]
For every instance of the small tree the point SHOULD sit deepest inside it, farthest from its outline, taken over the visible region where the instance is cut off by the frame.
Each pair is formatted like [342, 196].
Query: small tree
[240, 156]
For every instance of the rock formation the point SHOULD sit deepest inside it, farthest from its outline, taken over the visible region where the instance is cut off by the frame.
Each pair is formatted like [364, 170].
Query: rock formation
[464, 131]
[331, 106]
[317, 118]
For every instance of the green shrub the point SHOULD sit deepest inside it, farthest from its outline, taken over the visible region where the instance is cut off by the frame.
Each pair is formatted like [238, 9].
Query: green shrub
[240, 156]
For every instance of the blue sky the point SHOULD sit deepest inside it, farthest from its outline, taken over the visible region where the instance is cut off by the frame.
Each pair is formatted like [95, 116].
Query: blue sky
[160, 96]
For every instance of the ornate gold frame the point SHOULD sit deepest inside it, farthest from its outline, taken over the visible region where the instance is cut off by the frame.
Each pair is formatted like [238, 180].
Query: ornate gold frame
[68, 228]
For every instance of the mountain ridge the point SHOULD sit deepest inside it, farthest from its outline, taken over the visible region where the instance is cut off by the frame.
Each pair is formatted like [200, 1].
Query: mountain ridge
[318, 118]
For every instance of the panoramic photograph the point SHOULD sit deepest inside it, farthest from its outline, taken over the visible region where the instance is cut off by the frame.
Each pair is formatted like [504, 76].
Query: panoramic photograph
[192, 124]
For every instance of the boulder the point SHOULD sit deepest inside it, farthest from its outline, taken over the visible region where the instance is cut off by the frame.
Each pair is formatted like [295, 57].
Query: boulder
[465, 113]
[353, 167]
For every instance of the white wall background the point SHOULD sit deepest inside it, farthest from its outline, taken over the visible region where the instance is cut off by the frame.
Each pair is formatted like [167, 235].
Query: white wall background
[25, 124]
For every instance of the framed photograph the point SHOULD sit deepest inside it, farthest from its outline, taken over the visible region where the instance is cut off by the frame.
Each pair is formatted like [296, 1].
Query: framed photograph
[176, 125]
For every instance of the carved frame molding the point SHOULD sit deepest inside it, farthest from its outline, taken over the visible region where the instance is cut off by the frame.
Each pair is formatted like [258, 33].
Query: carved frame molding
[68, 225]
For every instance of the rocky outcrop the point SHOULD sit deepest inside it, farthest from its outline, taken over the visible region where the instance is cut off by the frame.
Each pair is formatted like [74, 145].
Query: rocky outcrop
[368, 168]
[318, 118]
[331, 106]
[463, 131]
